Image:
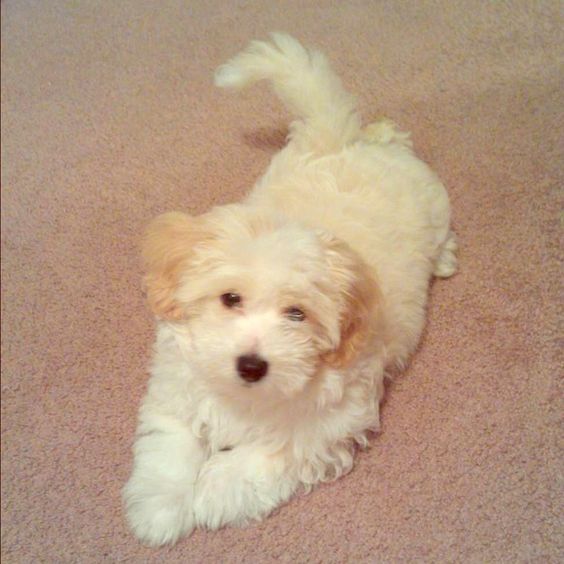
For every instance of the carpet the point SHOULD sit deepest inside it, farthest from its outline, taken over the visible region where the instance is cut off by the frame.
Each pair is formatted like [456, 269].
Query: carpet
[109, 117]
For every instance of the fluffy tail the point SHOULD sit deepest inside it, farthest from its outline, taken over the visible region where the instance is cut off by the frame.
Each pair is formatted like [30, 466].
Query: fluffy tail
[304, 81]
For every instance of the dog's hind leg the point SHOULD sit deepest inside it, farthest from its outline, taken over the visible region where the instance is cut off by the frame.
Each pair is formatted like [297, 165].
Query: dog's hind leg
[447, 263]
[385, 131]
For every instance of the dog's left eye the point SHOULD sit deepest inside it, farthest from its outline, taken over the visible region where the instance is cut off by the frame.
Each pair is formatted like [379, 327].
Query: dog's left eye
[295, 314]
[230, 299]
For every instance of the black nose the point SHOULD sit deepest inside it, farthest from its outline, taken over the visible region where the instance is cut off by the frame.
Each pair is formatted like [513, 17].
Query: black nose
[251, 367]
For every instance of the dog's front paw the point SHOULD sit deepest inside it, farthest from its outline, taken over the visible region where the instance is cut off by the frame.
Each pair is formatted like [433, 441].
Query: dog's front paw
[222, 497]
[158, 515]
[237, 487]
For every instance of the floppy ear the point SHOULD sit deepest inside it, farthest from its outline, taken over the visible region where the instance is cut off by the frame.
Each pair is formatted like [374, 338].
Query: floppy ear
[360, 298]
[167, 249]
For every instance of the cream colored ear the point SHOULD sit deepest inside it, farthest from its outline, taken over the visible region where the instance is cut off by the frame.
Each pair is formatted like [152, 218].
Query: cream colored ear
[167, 248]
[360, 297]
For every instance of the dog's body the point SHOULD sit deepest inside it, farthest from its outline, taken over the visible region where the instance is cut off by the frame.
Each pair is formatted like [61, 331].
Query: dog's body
[280, 316]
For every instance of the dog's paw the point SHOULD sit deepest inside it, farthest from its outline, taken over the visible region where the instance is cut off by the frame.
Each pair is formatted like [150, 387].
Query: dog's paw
[224, 498]
[158, 516]
[236, 488]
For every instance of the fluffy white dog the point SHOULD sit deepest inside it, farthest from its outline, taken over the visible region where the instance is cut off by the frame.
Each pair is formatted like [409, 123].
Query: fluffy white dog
[279, 317]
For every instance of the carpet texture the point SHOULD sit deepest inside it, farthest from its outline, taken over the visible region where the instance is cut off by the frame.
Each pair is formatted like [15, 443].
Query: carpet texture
[109, 116]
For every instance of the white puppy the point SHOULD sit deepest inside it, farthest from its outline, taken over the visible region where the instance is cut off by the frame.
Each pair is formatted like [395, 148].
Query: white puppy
[279, 317]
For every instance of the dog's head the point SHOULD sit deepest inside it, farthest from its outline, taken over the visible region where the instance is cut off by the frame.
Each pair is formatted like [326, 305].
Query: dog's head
[265, 304]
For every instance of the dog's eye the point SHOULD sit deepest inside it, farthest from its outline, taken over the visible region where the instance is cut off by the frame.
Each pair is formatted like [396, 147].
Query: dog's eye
[230, 299]
[295, 314]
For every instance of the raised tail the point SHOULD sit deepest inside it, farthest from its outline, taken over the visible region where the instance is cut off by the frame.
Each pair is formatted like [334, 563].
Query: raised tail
[304, 81]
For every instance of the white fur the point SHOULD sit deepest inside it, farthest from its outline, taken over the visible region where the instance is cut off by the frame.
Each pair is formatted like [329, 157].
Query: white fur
[337, 201]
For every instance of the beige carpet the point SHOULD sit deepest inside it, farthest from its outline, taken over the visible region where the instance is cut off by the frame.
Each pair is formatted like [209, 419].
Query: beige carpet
[109, 116]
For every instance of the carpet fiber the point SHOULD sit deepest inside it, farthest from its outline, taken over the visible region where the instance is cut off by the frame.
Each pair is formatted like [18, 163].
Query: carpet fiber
[109, 116]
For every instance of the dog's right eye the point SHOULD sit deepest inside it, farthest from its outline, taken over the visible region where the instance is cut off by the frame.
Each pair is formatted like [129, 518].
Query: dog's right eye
[230, 299]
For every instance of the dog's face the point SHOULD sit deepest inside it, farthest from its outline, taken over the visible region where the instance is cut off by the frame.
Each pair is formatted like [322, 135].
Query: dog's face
[264, 304]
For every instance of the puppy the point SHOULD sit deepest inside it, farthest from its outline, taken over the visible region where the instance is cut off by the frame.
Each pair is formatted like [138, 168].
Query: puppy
[279, 317]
